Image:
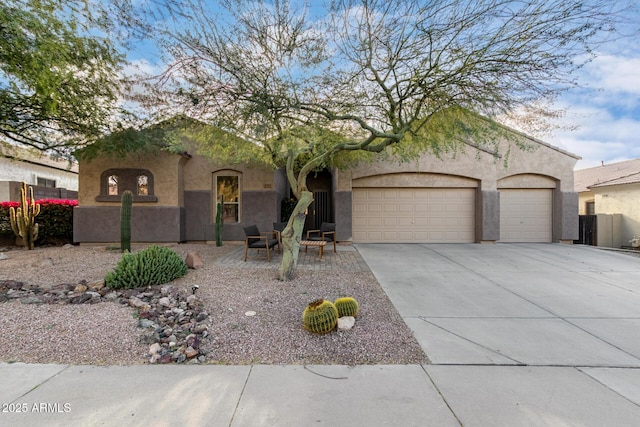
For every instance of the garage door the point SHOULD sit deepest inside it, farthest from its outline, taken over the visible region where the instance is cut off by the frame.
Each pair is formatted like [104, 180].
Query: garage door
[413, 215]
[525, 215]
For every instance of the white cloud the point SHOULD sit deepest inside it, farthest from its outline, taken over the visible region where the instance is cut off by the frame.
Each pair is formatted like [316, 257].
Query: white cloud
[613, 73]
[606, 112]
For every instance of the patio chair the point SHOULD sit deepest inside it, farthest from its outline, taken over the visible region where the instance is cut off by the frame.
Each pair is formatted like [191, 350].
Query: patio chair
[256, 240]
[327, 233]
[278, 228]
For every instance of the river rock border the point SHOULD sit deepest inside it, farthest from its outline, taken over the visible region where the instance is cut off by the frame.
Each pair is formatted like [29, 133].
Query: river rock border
[172, 319]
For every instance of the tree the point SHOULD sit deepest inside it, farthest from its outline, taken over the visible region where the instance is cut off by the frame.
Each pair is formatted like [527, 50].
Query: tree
[315, 87]
[58, 77]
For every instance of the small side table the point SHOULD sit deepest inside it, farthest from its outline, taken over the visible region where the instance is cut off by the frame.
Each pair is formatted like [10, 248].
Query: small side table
[319, 243]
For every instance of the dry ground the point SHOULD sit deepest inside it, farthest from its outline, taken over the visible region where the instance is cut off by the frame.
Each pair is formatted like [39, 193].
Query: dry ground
[106, 333]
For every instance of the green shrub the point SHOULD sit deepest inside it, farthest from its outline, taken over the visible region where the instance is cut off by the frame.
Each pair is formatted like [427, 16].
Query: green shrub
[154, 265]
[55, 222]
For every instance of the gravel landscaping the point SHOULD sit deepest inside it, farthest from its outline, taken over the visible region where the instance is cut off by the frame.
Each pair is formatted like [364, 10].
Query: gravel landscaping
[250, 317]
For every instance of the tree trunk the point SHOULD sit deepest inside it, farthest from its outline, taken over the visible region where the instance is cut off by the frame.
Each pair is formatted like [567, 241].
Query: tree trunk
[292, 235]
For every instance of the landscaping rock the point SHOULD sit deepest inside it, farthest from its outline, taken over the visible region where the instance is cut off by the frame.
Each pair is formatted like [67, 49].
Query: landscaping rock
[146, 323]
[190, 352]
[44, 262]
[171, 326]
[345, 323]
[150, 337]
[154, 349]
[3, 256]
[194, 260]
[31, 300]
[96, 286]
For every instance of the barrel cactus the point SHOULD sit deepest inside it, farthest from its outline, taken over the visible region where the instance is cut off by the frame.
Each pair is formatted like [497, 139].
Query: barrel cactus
[320, 317]
[346, 306]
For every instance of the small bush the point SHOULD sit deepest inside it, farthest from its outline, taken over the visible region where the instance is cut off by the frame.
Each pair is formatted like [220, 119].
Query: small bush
[154, 265]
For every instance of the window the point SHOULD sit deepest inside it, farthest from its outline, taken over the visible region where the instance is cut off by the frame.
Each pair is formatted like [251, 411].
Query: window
[143, 185]
[113, 182]
[590, 208]
[44, 182]
[229, 187]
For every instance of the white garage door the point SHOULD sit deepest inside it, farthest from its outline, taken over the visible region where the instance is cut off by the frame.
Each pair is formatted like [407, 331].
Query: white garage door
[413, 215]
[526, 215]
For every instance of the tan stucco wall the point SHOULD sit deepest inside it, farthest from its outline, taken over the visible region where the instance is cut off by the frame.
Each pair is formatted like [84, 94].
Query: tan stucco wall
[173, 174]
[165, 168]
[543, 160]
[583, 198]
[527, 180]
[415, 180]
[549, 167]
[624, 200]
[198, 174]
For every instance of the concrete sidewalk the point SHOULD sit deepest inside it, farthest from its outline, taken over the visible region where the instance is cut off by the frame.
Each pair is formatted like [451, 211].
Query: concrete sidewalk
[517, 334]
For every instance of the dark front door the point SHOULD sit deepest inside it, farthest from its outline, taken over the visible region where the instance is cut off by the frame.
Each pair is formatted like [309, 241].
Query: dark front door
[321, 209]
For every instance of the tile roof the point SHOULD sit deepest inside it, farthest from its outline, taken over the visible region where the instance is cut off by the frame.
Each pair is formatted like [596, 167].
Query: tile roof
[33, 156]
[626, 172]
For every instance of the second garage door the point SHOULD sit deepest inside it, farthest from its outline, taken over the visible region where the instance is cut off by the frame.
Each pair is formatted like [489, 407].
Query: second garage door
[413, 215]
[526, 215]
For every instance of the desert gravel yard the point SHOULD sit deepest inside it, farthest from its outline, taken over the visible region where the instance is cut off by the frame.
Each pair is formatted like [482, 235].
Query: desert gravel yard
[106, 333]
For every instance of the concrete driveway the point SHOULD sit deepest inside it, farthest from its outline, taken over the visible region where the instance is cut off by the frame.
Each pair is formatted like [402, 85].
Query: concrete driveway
[545, 329]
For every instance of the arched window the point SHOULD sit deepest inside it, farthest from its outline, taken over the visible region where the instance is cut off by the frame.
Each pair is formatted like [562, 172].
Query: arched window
[113, 182]
[143, 185]
[112, 185]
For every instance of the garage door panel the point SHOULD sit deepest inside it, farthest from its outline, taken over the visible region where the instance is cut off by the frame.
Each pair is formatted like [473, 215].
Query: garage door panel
[427, 215]
[526, 215]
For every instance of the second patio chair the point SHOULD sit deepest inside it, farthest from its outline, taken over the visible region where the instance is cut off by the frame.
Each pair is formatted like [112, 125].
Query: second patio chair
[326, 233]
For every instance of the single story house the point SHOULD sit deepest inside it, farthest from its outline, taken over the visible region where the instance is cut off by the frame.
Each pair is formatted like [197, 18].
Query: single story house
[612, 193]
[463, 197]
[50, 177]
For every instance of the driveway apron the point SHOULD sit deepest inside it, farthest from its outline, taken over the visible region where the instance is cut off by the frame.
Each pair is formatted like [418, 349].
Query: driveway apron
[533, 334]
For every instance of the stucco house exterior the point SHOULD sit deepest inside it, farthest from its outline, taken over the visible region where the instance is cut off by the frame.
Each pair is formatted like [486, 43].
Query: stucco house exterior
[463, 197]
[51, 178]
[612, 193]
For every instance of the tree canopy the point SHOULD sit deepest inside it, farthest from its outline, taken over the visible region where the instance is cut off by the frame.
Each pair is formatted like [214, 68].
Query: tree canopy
[371, 70]
[58, 74]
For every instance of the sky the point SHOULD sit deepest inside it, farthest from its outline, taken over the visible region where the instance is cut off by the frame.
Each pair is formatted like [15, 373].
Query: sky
[601, 121]
[606, 110]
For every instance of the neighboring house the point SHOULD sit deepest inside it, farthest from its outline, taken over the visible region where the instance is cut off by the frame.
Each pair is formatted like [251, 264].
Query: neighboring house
[612, 192]
[469, 196]
[51, 178]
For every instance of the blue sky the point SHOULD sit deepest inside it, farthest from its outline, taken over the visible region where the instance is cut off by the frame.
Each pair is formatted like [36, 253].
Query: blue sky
[606, 110]
[602, 117]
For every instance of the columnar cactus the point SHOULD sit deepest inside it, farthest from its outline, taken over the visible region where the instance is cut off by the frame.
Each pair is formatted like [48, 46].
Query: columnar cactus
[346, 306]
[219, 221]
[320, 317]
[23, 218]
[125, 221]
